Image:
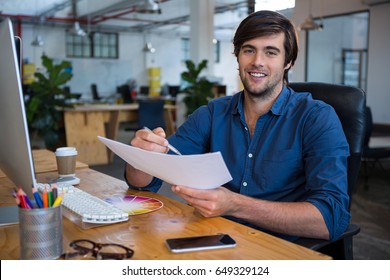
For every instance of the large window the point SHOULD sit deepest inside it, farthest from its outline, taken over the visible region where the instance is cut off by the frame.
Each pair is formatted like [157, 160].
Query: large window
[338, 53]
[185, 49]
[95, 45]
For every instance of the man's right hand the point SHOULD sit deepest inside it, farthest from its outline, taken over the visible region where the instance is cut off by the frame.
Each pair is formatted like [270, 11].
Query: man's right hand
[151, 140]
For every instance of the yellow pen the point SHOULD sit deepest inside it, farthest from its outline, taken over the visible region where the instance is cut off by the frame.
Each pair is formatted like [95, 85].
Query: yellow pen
[57, 201]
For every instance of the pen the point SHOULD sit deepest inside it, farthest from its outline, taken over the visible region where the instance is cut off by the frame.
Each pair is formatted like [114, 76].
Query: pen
[173, 149]
[49, 196]
[37, 197]
[57, 201]
[25, 202]
[45, 198]
[54, 191]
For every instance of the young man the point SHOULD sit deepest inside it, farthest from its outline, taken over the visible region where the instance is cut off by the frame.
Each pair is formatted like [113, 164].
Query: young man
[287, 153]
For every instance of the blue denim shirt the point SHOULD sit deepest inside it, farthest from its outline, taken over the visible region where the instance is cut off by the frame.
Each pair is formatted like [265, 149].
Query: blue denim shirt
[298, 152]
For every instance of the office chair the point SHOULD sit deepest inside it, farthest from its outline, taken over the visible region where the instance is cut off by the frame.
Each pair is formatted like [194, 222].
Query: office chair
[95, 94]
[125, 92]
[349, 104]
[372, 155]
[150, 114]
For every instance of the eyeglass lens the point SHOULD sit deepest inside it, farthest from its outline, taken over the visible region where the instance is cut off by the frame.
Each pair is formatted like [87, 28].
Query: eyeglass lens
[102, 250]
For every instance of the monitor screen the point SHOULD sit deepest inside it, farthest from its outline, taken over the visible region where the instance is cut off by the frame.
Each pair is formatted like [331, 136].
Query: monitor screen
[15, 151]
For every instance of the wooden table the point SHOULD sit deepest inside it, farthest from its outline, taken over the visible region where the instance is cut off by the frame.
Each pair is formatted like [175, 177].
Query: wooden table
[45, 161]
[84, 123]
[146, 233]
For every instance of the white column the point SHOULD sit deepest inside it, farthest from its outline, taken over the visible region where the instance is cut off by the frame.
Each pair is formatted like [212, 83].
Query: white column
[202, 33]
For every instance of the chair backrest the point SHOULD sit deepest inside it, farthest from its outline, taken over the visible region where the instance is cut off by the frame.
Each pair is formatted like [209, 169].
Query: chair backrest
[125, 92]
[151, 113]
[369, 127]
[95, 94]
[350, 106]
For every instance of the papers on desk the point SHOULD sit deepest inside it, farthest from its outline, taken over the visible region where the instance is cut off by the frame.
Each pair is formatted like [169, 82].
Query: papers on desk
[206, 171]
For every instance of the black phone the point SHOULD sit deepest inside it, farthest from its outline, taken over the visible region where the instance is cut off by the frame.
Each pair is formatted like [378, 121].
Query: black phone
[197, 243]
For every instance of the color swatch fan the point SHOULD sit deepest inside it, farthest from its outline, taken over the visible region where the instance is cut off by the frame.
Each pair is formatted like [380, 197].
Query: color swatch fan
[135, 205]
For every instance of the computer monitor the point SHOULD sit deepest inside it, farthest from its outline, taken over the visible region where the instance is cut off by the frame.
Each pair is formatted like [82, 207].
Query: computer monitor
[15, 151]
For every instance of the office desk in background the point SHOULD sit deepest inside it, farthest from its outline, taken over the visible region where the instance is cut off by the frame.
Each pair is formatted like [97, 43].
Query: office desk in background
[45, 161]
[84, 123]
[146, 233]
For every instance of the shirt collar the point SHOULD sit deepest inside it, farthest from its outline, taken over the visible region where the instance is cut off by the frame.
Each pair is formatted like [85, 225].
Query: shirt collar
[277, 107]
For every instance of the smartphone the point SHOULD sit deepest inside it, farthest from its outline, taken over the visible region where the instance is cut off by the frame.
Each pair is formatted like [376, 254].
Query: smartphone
[197, 243]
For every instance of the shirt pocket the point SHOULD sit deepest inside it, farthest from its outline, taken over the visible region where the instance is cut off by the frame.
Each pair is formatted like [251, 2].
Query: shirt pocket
[278, 171]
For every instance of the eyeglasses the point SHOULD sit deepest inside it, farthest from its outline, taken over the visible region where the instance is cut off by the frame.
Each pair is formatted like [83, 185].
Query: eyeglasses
[100, 251]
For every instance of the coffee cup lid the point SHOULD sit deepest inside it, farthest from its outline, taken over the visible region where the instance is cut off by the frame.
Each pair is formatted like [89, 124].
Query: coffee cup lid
[66, 151]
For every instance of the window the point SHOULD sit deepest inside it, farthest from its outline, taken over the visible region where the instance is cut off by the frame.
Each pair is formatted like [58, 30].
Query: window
[185, 49]
[96, 45]
[338, 53]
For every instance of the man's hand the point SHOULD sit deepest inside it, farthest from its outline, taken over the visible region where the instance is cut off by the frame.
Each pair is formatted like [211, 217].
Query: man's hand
[209, 203]
[152, 141]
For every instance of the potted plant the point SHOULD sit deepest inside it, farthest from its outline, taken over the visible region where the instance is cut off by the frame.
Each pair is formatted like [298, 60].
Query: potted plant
[48, 99]
[198, 90]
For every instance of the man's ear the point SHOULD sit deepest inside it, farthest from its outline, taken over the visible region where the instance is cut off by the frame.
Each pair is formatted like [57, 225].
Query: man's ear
[288, 66]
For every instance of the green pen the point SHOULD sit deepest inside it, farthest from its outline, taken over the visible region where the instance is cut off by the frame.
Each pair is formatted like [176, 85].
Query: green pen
[50, 196]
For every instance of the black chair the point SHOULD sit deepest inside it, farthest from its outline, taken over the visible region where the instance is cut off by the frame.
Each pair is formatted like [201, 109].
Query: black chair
[150, 114]
[95, 94]
[125, 92]
[349, 104]
[372, 156]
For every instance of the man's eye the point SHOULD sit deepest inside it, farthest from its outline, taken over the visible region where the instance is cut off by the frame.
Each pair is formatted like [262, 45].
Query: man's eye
[248, 51]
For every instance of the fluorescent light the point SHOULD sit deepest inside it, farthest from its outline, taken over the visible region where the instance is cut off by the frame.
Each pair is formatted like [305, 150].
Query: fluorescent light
[38, 42]
[274, 5]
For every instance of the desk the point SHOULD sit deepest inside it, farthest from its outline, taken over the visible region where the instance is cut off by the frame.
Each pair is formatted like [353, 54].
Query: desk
[146, 233]
[45, 161]
[84, 123]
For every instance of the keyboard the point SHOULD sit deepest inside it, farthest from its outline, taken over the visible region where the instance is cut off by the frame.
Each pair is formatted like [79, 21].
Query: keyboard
[83, 207]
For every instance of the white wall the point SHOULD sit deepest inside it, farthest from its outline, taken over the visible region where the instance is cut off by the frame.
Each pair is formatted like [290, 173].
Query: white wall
[109, 73]
[378, 94]
[131, 65]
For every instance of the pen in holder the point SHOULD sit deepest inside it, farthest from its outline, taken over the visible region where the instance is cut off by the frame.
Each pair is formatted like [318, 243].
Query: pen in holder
[40, 232]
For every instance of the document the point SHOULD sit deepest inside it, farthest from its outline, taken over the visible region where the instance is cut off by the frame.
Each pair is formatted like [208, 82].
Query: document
[205, 171]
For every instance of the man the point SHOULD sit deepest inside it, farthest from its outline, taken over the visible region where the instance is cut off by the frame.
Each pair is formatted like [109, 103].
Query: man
[287, 153]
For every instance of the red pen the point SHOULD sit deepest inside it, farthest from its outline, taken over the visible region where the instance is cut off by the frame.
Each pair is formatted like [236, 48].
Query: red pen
[24, 201]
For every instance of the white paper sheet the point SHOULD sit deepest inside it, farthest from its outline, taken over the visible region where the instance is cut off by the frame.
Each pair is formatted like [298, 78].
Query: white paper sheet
[206, 171]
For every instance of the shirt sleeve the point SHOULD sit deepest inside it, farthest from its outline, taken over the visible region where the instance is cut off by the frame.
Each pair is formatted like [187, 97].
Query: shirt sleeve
[325, 152]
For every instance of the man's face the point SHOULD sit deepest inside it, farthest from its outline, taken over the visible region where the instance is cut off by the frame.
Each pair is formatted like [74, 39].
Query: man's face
[261, 65]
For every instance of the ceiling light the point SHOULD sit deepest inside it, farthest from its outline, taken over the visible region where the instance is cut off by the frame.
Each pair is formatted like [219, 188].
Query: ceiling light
[310, 24]
[77, 30]
[38, 42]
[149, 7]
[76, 27]
[149, 48]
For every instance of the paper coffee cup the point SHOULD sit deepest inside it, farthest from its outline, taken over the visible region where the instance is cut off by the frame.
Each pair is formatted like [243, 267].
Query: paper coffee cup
[66, 161]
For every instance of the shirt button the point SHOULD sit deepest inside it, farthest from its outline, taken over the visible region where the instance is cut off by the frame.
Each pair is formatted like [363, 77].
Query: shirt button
[250, 155]
[245, 184]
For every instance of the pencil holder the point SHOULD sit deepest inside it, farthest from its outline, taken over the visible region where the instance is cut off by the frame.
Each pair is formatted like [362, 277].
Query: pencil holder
[40, 232]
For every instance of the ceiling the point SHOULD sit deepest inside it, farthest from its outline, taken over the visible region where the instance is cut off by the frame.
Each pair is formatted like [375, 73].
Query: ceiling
[120, 15]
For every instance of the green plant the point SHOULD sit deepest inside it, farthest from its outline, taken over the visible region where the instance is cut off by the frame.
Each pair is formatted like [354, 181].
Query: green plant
[199, 90]
[44, 108]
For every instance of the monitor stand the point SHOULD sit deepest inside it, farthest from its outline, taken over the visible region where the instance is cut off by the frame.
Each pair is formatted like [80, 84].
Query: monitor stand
[68, 180]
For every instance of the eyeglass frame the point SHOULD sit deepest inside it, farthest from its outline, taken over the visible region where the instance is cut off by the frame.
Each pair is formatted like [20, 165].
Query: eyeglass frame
[95, 250]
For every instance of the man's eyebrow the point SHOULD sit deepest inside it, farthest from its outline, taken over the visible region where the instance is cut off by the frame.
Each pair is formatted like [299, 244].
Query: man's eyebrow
[248, 46]
[266, 48]
[273, 48]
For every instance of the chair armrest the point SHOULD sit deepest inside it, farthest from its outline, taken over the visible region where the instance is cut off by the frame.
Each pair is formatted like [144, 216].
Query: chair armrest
[316, 244]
